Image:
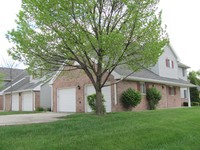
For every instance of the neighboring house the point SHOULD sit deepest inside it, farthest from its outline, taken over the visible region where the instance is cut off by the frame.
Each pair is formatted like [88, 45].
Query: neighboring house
[71, 88]
[25, 91]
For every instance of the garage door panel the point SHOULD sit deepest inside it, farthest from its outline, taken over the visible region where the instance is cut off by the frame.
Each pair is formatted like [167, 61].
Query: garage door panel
[66, 100]
[106, 91]
[27, 102]
[15, 102]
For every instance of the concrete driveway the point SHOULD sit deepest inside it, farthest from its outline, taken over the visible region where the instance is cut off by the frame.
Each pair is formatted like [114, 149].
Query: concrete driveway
[30, 118]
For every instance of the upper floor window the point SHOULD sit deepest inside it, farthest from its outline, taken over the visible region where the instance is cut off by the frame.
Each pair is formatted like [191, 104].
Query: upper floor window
[169, 63]
[183, 72]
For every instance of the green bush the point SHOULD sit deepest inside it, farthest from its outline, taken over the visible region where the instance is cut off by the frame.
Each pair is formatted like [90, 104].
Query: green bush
[48, 109]
[130, 98]
[195, 103]
[39, 109]
[153, 96]
[92, 102]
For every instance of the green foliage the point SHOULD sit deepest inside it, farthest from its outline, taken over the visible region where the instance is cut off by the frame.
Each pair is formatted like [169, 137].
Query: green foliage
[92, 102]
[56, 33]
[166, 129]
[194, 79]
[1, 80]
[195, 103]
[153, 96]
[194, 94]
[40, 109]
[130, 98]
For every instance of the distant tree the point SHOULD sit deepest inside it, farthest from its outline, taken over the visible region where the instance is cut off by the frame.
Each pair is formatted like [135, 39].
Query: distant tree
[1, 81]
[98, 35]
[194, 79]
[10, 64]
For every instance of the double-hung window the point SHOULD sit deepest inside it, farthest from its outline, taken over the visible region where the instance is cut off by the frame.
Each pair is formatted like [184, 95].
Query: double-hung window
[169, 63]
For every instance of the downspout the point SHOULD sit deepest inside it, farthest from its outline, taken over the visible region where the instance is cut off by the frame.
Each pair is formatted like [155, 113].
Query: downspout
[115, 90]
[51, 86]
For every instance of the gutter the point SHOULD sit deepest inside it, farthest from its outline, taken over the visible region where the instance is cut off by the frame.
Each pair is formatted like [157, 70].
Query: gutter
[159, 81]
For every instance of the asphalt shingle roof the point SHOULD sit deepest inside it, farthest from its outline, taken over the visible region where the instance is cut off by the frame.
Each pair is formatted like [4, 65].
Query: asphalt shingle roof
[20, 80]
[148, 74]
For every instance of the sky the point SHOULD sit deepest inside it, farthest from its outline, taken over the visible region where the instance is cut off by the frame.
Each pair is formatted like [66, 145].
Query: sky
[180, 16]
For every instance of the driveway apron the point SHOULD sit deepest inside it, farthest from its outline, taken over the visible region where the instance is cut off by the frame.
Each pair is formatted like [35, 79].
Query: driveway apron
[30, 118]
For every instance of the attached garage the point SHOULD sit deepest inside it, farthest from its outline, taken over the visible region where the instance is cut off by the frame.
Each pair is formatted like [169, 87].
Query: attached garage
[15, 102]
[106, 91]
[66, 100]
[27, 101]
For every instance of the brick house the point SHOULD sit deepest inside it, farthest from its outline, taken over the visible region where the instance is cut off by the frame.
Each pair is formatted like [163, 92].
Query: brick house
[71, 88]
[25, 91]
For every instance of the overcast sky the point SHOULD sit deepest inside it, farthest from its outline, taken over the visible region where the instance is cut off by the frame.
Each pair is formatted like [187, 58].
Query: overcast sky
[180, 16]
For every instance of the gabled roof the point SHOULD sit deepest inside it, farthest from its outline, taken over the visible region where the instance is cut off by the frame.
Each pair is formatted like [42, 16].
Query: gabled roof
[148, 76]
[174, 52]
[21, 81]
[24, 85]
[15, 72]
[183, 65]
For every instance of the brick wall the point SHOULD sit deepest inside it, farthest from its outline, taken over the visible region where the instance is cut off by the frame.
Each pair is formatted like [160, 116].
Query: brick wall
[37, 99]
[1, 102]
[7, 102]
[75, 78]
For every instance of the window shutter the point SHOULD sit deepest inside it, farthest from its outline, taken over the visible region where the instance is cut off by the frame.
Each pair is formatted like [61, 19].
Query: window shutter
[172, 64]
[169, 90]
[166, 61]
[138, 86]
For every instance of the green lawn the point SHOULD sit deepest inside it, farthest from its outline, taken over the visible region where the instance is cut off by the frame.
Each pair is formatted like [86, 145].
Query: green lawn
[17, 112]
[169, 129]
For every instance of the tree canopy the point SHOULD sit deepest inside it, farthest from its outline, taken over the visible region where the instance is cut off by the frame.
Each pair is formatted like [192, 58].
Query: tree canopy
[194, 79]
[98, 35]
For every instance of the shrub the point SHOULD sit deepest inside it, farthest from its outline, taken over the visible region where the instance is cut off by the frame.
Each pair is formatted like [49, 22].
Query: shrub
[130, 98]
[195, 103]
[153, 96]
[48, 109]
[185, 103]
[39, 109]
[92, 102]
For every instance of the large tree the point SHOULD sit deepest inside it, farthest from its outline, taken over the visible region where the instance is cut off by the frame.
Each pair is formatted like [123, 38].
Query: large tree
[98, 35]
[194, 79]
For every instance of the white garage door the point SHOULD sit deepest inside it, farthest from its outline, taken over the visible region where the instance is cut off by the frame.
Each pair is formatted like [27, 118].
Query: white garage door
[27, 101]
[15, 102]
[66, 100]
[106, 91]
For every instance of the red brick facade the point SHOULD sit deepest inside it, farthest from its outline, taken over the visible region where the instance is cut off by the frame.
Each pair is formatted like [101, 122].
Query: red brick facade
[1, 102]
[77, 78]
[8, 106]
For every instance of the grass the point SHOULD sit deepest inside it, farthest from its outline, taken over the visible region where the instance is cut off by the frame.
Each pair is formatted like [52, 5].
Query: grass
[169, 129]
[17, 112]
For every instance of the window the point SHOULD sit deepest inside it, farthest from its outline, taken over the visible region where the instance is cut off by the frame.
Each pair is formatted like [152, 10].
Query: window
[142, 88]
[183, 72]
[169, 63]
[185, 93]
[172, 91]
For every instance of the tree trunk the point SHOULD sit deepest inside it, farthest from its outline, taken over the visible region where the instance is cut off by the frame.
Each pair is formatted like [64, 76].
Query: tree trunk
[99, 102]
